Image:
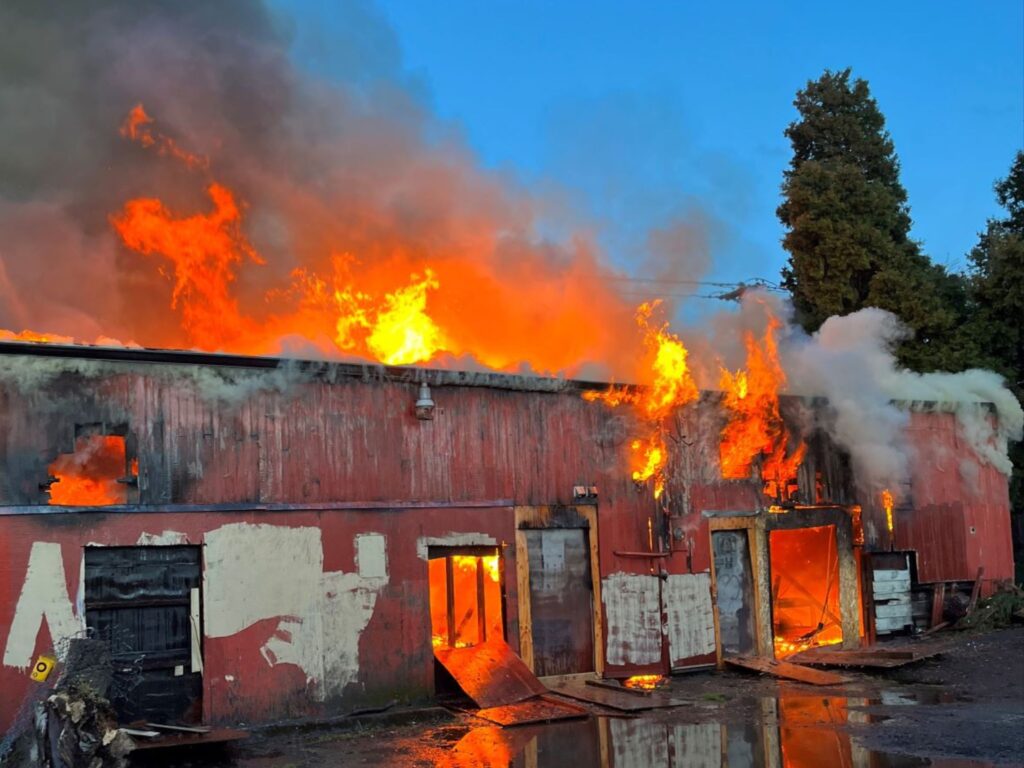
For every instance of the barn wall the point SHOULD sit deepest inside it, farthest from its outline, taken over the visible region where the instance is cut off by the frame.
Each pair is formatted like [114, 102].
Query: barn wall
[292, 451]
[960, 515]
[295, 622]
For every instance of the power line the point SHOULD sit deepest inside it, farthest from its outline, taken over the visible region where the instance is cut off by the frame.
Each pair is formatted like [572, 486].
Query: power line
[734, 293]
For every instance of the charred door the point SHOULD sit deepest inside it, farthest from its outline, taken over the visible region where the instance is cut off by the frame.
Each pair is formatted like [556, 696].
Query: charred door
[561, 601]
[143, 601]
[734, 590]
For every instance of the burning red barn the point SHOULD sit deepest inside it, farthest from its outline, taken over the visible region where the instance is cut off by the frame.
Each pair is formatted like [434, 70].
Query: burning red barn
[291, 540]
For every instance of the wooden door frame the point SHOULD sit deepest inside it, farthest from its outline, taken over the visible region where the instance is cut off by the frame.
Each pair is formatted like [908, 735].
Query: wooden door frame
[539, 517]
[754, 527]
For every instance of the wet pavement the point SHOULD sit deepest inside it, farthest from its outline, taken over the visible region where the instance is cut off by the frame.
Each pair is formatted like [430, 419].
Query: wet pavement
[962, 710]
[797, 726]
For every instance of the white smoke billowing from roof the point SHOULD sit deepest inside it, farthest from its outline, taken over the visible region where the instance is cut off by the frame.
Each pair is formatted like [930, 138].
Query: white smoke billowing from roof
[850, 361]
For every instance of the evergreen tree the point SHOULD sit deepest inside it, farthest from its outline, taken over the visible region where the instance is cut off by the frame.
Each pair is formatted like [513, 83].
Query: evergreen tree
[997, 302]
[848, 226]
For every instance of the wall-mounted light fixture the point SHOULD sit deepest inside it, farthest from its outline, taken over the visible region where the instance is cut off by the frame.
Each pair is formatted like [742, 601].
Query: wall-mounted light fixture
[424, 404]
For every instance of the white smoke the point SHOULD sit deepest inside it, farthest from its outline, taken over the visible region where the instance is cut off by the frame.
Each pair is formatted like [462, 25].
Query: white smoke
[850, 361]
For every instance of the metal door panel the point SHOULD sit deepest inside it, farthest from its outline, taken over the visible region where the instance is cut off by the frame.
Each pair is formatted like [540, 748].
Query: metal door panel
[561, 601]
[734, 589]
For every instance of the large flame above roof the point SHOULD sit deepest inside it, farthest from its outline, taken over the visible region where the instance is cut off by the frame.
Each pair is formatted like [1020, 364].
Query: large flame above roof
[549, 311]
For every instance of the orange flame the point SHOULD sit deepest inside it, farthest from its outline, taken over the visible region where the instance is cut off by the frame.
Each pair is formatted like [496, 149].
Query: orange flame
[460, 286]
[138, 127]
[755, 427]
[643, 682]
[89, 476]
[400, 331]
[203, 249]
[34, 336]
[887, 503]
[669, 385]
[476, 587]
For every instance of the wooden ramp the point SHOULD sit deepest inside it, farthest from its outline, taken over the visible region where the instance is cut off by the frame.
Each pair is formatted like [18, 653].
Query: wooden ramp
[504, 688]
[490, 673]
[786, 670]
[879, 658]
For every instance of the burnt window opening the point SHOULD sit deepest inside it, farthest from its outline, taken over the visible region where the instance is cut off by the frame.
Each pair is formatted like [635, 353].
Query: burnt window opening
[465, 596]
[101, 470]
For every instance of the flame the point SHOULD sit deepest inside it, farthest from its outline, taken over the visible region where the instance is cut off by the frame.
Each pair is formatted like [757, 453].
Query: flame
[138, 127]
[785, 648]
[755, 427]
[89, 476]
[35, 336]
[464, 624]
[887, 504]
[399, 331]
[804, 568]
[203, 249]
[669, 385]
[428, 289]
[643, 682]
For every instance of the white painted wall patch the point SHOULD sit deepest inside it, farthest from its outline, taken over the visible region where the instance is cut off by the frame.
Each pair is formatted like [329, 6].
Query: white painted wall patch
[257, 571]
[633, 613]
[44, 597]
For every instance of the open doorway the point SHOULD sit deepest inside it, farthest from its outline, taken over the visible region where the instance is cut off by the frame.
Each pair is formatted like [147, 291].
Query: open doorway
[805, 603]
[465, 596]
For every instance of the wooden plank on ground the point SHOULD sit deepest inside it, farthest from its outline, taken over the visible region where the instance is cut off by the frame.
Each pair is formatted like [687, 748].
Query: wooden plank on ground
[540, 709]
[866, 657]
[174, 740]
[619, 688]
[786, 670]
[619, 700]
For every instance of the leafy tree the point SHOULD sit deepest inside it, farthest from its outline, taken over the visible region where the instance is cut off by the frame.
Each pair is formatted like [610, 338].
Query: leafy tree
[848, 226]
[997, 302]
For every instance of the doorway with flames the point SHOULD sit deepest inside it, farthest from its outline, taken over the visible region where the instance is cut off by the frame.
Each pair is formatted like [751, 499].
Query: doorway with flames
[557, 601]
[786, 581]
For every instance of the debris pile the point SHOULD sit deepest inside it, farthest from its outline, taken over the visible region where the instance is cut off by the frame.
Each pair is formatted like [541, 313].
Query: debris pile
[78, 729]
[1000, 610]
[75, 725]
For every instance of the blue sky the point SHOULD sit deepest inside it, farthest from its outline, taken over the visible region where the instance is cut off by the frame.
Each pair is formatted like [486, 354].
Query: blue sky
[646, 112]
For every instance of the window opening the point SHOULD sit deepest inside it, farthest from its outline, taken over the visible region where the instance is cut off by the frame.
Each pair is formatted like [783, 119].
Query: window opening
[96, 474]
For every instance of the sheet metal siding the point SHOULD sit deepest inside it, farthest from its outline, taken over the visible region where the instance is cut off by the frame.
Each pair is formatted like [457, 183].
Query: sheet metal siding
[240, 684]
[960, 518]
[202, 440]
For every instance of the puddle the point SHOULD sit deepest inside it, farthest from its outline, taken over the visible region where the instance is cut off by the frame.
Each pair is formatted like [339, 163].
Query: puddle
[913, 698]
[792, 732]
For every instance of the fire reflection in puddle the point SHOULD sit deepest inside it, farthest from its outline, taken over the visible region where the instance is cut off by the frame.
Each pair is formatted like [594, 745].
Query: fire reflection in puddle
[793, 731]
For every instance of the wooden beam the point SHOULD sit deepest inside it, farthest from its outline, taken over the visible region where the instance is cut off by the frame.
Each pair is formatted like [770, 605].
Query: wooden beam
[523, 589]
[590, 513]
[449, 581]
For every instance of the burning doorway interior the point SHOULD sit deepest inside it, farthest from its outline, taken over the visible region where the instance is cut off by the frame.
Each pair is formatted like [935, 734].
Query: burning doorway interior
[804, 567]
[465, 596]
[784, 580]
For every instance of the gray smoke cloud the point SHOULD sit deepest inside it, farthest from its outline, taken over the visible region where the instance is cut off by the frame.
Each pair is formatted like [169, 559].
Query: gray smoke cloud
[342, 157]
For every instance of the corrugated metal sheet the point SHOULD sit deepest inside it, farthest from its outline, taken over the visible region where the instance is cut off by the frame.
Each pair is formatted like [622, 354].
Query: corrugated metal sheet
[960, 518]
